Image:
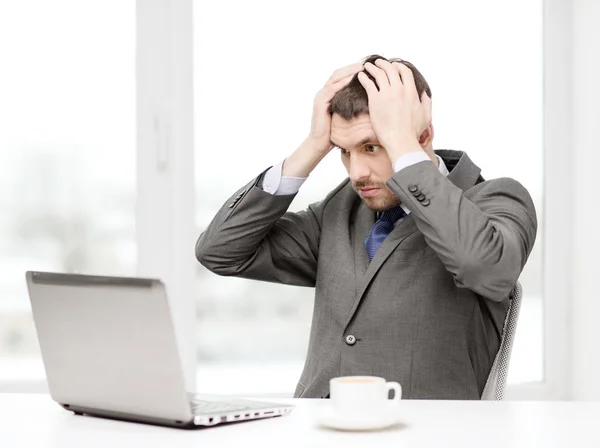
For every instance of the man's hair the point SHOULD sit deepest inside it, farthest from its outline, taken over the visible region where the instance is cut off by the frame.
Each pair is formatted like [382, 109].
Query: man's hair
[352, 100]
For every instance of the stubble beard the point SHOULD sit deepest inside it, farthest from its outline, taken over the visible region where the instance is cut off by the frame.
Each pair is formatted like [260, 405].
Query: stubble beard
[385, 200]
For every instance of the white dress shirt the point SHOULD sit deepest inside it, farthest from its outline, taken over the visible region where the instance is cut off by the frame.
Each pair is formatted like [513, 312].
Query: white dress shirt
[275, 183]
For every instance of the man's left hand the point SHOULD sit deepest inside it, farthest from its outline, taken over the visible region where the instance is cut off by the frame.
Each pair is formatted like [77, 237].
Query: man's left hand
[397, 115]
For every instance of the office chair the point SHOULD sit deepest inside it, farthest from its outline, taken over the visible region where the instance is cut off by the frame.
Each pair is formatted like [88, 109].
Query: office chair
[496, 382]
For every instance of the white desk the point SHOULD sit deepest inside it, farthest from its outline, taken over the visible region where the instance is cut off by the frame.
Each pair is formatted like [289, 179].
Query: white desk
[36, 421]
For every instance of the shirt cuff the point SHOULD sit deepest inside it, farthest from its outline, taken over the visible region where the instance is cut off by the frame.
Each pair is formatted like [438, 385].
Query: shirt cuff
[278, 185]
[409, 159]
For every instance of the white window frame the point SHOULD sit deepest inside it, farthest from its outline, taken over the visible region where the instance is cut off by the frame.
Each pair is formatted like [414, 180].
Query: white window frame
[557, 226]
[166, 232]
[166, 229]
[165, 203]
[557, 48]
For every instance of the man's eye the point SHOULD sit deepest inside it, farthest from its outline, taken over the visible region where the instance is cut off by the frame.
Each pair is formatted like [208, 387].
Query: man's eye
[344, 151]
[371, 148]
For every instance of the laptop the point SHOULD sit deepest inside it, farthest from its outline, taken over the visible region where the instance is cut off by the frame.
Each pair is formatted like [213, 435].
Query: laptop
[109, 350]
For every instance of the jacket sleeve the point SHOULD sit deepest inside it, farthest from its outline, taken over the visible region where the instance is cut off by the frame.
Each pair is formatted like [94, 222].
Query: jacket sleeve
[254, 236]
[483, 236]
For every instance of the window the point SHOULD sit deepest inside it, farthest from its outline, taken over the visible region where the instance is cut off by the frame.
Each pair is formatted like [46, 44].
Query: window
[67, 155]
[256, 73]
[68, 148]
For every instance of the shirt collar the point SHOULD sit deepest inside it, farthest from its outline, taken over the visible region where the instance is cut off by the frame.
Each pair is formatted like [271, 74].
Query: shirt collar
[442, 166]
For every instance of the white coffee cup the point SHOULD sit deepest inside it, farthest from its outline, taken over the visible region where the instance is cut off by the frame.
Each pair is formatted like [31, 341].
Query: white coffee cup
[362, 396]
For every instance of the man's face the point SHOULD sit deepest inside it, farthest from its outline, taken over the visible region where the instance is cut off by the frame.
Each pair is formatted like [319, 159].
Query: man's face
[367, 163]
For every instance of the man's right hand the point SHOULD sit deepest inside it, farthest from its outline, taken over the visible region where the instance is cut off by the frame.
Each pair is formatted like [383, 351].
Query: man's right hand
[318, 143]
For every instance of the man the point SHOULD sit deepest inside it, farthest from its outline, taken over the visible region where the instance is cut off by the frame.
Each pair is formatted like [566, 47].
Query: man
[412, 258]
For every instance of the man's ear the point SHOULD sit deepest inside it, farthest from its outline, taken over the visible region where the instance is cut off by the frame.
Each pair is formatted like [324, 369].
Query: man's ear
[426, 138]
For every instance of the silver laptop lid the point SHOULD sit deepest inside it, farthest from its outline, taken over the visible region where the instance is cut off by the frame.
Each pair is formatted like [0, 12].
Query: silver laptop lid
[108, 343]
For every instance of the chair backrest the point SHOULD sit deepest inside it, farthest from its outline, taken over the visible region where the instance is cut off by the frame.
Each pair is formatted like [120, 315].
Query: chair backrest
[496, 382]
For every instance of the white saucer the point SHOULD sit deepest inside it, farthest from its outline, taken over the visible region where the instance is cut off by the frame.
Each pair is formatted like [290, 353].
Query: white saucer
[329, 418]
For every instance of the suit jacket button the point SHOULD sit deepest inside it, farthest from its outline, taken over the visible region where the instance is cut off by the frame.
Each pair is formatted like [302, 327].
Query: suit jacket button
[412, 188]
[232, 204]
[421, 197]
[426, 202]
[350, 339]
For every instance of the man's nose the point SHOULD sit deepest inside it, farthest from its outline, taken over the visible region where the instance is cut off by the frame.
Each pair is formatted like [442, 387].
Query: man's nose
[358, 170]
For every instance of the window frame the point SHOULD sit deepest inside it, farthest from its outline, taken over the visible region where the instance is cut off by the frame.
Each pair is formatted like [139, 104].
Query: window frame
[165, 208]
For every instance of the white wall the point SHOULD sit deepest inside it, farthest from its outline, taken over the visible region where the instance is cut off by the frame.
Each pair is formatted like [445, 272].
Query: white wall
[585, 153]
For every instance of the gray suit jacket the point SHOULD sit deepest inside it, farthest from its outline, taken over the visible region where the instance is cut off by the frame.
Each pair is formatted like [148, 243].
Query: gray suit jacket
[427, 311]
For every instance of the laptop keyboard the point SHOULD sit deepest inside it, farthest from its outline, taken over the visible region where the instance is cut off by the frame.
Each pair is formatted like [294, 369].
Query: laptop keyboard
[214, 407]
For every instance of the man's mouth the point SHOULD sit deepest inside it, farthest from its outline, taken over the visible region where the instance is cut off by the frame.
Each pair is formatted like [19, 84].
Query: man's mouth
[368, 192]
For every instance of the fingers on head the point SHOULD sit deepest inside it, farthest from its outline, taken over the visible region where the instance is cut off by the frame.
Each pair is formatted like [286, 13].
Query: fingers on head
[344, 72]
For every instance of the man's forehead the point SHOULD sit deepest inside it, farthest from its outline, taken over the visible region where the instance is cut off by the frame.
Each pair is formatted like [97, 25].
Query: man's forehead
[354, 132]
[359, 121]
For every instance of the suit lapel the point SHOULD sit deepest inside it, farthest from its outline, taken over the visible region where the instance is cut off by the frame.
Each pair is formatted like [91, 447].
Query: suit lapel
[363, 221]
[400, 232]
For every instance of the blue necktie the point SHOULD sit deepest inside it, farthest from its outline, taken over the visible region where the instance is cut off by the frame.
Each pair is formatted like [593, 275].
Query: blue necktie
[381, 229]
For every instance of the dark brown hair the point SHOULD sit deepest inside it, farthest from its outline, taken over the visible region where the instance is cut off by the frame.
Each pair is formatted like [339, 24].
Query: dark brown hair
[352, 100]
